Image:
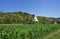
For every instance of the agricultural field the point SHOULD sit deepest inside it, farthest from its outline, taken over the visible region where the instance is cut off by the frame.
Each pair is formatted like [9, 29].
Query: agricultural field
[29, 31]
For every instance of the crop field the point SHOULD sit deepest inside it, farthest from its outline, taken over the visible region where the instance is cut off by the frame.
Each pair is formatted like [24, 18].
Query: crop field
[28, 31]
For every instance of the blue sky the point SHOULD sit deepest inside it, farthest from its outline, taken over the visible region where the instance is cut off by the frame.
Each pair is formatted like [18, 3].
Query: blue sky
[49, 8]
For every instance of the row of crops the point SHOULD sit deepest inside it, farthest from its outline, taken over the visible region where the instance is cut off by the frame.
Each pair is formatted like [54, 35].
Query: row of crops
[26, 31]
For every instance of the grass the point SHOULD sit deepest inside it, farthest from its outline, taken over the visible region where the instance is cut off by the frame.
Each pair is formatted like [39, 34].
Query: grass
[26, 31]
[55, 36]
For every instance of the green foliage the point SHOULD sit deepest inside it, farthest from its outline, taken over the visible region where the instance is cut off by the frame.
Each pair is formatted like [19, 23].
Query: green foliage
[55, 36]
[48, 20]
[26, 31]
[14, 17]
[24, 18]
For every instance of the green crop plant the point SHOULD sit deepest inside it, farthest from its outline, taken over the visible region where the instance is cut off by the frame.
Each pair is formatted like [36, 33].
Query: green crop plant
[26, 31]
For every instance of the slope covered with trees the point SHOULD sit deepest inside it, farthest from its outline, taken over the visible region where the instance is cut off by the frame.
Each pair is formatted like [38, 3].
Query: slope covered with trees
[14, 17]
[23, 17]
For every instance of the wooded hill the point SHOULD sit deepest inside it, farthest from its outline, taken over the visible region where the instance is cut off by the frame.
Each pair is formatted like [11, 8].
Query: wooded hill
[23, 17]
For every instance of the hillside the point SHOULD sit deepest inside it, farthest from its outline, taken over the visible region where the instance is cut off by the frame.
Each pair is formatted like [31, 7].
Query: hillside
[23, 17]
[14, 17]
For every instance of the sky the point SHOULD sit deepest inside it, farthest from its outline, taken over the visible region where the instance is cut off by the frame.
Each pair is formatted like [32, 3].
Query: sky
[49, 8]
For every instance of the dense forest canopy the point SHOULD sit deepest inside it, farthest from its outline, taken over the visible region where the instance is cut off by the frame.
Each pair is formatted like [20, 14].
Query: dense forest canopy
[23, 17]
